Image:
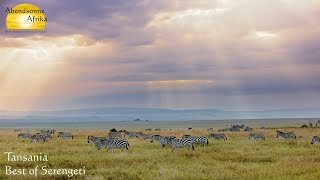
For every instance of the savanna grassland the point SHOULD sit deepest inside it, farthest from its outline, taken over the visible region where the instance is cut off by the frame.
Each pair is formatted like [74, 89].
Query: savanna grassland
[236, 158]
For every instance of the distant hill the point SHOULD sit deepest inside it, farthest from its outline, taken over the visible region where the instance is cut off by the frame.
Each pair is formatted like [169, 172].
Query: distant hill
[153, 114]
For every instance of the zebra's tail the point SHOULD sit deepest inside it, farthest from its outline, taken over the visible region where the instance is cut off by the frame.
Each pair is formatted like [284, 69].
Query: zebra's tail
[207, 142]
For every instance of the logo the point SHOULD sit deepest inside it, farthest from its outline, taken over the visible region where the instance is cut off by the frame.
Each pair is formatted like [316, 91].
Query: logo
[25, 17]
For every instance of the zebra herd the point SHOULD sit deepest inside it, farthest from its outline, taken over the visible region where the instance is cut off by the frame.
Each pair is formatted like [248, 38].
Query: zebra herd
[44, 135]
[117, 139]
[234, 127]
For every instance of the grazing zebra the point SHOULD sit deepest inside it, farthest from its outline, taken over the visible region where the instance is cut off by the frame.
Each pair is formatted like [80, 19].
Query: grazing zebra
[248, 128]
[218, 136]
[315, 139]
[94, 139]
[39, 137]
[210, 129]
[114, 135]
[286, 135]
[257, 136]
[197, 139]
[50, 131]
[224, 130]
[157, 129]
[24, 135]
[163, 140]
[177, 143]
[97, 142]
[131, 134]
[149, 129]
[114, 143]
[65, 134]
[48, 135]
[146, 136]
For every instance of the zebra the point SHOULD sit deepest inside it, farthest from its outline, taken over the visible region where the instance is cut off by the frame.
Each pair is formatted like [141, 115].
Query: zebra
[24, 135]
[210, 129]
[286, 135]
[235, 129]
[93, 138]
[39, 137]
[248, 128]
[114, 143]
[157, 129]
[197, 139]
[146, 136]
[51, 131]
[113, 135]
[48, 135]
[315, 139]
[257, 136]
[131, 134]
[65, 134]
[218, 136]
[148, 129]
[177, 143]
[97, 142]
[163, 140]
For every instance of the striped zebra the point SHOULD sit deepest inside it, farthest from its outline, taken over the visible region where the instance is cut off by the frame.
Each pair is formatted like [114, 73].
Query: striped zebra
[146, 136]
[39, 137]
[48, 135]
[197, 139]
[286, 135]
[177, 143]
[65, 134]
[51, 131]
[131, 134]
[24, 135]
[210, 129]
[218, 136]
[315, 139]
[257, 136]
[114, 143]
[94, 139]
[163, 140]
[98, 143]
[248, 128]
[114, 135]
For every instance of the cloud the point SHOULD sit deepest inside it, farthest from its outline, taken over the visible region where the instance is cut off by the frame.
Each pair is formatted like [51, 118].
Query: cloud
[114, 50]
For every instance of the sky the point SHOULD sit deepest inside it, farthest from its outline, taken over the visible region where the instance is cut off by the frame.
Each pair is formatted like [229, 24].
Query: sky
[190, 54]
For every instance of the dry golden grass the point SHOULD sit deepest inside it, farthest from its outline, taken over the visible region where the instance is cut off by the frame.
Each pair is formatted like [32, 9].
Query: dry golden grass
[236, 158]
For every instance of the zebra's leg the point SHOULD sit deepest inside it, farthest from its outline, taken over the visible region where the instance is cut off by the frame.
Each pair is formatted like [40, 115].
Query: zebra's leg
[172, 149]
